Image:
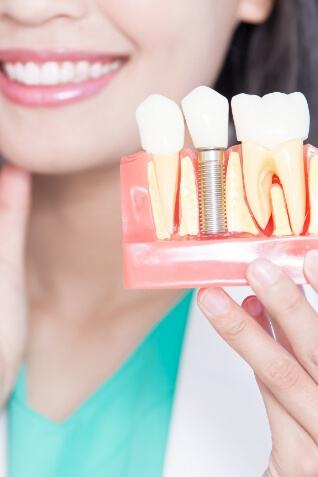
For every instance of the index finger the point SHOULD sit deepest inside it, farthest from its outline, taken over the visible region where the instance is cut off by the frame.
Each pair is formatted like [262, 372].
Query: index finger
[276, 368]
[14, 206]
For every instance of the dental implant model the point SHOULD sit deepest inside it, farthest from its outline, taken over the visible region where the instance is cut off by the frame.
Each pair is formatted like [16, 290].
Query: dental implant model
[207, 117]
[313, 195]
[161, 127]
[272, 130]
[197, 217]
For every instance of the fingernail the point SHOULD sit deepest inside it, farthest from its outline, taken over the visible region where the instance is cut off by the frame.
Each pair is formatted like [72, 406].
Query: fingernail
[264, 272]
[253, 307]
[311, 260]
[256, 310]
[214, 302]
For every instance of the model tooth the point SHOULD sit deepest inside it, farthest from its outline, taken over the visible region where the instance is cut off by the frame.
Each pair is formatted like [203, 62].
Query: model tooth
[313, 195]
[207, 115]
[238, 216]
[272, 130]
[189, 206]
[157, 212]
[271, 120]
[161, 127]
[280, 215]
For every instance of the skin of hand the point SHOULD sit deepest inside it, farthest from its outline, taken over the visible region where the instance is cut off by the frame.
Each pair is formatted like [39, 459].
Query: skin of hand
[14, 207]
[276, 333]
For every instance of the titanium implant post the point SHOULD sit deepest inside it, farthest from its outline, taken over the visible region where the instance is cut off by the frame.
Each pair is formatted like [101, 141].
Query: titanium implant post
[212, 198]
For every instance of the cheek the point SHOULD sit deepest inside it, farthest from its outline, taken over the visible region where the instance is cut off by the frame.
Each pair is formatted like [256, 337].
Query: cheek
[68, 140]
[178, 43]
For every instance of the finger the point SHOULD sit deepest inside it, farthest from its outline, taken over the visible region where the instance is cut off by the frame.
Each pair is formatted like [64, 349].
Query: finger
[289, 439]
[275, 367]
[14, 207]
[296, 449]
[254, 308]
[311, 268]
[288, 307]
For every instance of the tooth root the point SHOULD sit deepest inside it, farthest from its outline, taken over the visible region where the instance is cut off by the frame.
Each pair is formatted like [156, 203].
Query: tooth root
[289, 165]
[258, 181]
[238, 216]
[189, 207]
[157, 212]
[313, 195]
[285, 160]
[166, 169]
[280, 215]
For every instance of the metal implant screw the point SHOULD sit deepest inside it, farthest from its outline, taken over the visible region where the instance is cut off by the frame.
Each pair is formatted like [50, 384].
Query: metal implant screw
[211, 185]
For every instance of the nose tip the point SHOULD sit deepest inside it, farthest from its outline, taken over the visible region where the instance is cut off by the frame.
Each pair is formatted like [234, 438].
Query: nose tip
[36, 12]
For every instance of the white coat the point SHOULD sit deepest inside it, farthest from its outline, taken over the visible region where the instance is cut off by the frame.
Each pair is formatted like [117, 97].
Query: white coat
[219, 426]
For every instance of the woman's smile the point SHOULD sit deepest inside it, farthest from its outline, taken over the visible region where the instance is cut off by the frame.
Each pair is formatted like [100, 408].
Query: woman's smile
[53, 78]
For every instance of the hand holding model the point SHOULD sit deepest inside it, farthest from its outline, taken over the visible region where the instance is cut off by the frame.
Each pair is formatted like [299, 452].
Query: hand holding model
[14, 206]
[286, 368]
[235, 212]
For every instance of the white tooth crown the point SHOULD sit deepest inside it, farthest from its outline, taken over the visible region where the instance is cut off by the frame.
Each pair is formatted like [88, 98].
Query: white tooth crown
[161, 125]
[53, 73]
[273, 119]
[207, 115]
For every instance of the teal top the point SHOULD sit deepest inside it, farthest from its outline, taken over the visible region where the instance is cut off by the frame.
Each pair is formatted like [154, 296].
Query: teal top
[120, 430]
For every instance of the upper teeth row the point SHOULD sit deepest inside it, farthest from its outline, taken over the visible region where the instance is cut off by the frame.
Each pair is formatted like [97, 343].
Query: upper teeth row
[270, 120]
[53, 73]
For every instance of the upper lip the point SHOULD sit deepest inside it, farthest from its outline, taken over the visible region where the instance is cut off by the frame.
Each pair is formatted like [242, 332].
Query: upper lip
[43, 56]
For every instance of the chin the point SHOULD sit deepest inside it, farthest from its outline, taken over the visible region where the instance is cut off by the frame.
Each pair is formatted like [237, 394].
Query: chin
[68, 154]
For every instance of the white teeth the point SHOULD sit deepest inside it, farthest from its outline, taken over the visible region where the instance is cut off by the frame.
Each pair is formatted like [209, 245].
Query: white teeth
[207, 115]
[272, 119]
[105, 69]
[32, 74]
[50, 74]
[96, 70]
[10, 70]
[114, 65]
[53, 73]
[67, 72]
[19, 72]
[161, 125]
[81, 71]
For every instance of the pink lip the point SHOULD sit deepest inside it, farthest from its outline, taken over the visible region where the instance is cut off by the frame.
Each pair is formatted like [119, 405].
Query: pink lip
[53, 96]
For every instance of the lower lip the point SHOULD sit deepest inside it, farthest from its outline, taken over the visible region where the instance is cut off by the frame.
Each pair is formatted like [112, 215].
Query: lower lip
[53, 96]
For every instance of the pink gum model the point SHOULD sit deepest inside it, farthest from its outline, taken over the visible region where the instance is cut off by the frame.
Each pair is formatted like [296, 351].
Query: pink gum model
[195, 262]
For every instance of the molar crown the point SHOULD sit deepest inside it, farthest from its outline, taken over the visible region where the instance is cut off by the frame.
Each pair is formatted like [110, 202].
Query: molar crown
[161, 125]
[272, 119]
[207, 115]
